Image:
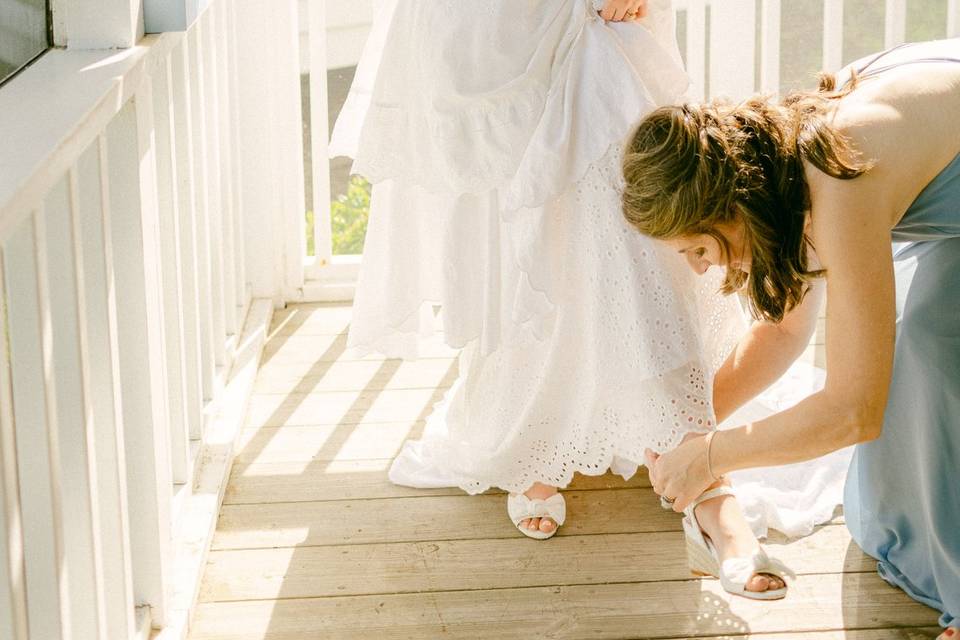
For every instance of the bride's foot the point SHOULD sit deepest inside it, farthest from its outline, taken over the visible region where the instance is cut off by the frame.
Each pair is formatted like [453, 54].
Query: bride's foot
[539, 492]
[722, 521]
[951, 633]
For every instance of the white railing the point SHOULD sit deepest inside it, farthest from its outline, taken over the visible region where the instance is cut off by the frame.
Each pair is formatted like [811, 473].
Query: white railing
[731, 47]
[149, 201]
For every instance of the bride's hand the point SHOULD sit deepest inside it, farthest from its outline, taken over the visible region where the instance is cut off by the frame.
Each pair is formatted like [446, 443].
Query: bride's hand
[680, 474]
[624, 10]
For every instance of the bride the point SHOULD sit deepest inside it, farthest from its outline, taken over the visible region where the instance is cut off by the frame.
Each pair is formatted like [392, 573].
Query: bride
[492, 133]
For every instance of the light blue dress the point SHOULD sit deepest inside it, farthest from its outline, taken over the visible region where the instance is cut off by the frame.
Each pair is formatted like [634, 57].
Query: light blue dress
[902, 501]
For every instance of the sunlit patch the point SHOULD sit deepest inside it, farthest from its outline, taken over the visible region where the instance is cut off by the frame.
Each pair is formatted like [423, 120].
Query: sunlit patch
[114, 59]
[358, 466]
[272, 470]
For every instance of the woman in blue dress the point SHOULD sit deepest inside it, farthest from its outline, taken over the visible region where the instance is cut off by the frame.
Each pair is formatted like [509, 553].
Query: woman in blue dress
[812, 189]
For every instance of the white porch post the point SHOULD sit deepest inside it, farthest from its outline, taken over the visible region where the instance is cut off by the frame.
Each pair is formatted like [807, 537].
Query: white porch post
[104, 24]
[272, 162]
[732, 46]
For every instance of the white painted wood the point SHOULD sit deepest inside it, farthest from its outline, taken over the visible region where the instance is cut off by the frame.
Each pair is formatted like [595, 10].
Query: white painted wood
[953, 18]
[348, 26]
[103, 24]
[80, 516]
[58, 20]
[168, 207]
[260, 190]
[895, 23]
[732, 46]
[93, 213]
[696, 47]
[203, 229]
[227, 233]
[13, 595]
[201, 509]
[320, 135]
[35, 419]
[211, 114]
[130, 163]
[188, 199]
[832, 34]
[290, 143]
[135, 237]
[240, 280]
[770, 46]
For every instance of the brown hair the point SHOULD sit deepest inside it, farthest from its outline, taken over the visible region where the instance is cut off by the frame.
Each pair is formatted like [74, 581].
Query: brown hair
[691, 167]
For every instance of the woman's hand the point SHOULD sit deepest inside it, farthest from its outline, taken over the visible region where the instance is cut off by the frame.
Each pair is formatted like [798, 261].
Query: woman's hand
[624, 10]
[682, 474]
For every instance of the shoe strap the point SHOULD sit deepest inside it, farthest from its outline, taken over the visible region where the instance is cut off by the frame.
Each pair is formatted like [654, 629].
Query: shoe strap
[722, 490]
[520, 507]
[738, 571]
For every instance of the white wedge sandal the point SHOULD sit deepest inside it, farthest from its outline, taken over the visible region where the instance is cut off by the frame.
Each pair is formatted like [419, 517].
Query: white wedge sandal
[520, 508]
[734, 573]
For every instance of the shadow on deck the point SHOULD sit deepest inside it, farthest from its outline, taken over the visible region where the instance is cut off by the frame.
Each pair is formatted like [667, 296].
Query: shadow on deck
[313, 541]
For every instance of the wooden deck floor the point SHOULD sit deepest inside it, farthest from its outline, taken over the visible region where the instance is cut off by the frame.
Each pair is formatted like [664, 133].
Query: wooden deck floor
[314, 542]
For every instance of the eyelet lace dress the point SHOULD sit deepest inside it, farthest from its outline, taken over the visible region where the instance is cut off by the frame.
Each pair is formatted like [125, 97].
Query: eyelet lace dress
[492, 133]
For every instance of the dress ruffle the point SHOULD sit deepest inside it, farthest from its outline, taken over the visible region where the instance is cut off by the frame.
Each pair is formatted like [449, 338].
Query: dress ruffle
[542, 92]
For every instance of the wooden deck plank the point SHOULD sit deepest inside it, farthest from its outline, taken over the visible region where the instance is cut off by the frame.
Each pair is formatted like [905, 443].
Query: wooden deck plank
[358, 479]
[341, 407]
[314, 541]
[633, 610]
[315, 318]
[415, 519]
[359, 375]
[310, 349]
[303, 572]
[425, 519]
[321, 443]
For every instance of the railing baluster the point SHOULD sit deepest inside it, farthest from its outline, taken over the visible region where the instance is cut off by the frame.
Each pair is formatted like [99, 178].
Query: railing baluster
[770, 46]
[895, 23]
[135, 236]
[168, 209]
[184, 143]
[697, 47]
[240, 251]
[832, 34]
[319, 133]
[232, 322]
[34, 416]
[732, 42]
[101, 333]
[76, 448]
[13, 595]
[211, 112]
[200, 176]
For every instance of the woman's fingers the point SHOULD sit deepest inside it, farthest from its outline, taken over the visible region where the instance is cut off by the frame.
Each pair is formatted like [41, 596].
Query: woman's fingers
[620, 10]
[641, 10]
[651, 459]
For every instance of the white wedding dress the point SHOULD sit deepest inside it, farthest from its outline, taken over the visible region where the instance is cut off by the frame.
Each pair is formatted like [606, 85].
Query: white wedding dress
[492, 132]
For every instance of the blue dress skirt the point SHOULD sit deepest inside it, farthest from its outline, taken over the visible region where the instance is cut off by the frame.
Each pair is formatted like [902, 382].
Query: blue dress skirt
[902, 499]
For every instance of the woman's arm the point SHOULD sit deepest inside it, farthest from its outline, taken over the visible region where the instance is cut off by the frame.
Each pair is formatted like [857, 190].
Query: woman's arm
[853, 242]
[765, 353]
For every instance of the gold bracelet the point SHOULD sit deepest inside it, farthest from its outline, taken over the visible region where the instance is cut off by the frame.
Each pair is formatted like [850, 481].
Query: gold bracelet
[709, 462]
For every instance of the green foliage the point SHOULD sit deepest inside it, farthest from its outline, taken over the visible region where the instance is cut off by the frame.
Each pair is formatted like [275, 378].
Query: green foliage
[348, 216]
[348, 219]
[311, 251]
